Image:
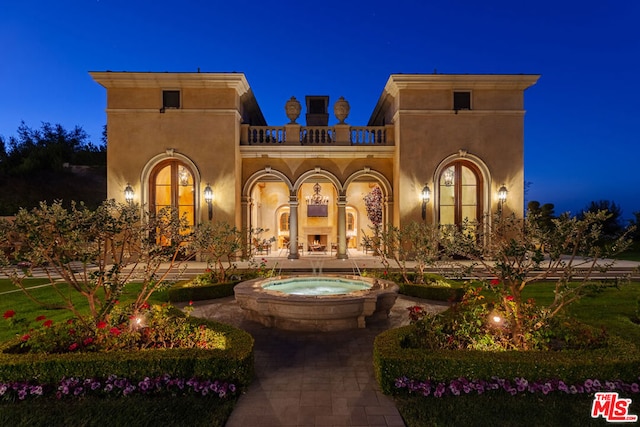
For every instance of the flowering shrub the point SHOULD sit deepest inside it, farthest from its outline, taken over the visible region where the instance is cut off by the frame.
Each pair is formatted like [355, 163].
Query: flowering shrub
[479, 324]
[114, 386]
[204, 279]
[416, 313]
[95, 253]
[460, 386]
[373, 204]
[127, 328]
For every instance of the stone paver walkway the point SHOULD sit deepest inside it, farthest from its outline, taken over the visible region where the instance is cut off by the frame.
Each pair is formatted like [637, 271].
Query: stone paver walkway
[313, 378]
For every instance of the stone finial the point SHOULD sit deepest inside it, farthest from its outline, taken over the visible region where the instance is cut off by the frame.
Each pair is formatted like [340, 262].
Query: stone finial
[293, 108]
[341, 109]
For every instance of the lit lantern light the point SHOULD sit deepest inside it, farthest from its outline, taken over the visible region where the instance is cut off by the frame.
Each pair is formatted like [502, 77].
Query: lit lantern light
[502, 194]
[208, 197]
[502, 198]
[425, 196]
[128, 193]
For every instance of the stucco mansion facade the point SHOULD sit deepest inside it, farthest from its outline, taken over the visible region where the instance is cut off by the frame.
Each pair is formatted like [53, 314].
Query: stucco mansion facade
[199, 142]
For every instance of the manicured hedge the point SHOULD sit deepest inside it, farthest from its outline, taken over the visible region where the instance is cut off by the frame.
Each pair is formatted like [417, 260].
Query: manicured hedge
[185, 292]
[619, 360]
[234, 364]
[438, 293]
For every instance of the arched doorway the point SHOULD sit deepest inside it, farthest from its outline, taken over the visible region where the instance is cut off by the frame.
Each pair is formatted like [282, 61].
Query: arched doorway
[460, 186]
[172, 184]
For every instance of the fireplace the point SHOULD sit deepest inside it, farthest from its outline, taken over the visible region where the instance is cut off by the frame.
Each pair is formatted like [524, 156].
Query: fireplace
[317, 238]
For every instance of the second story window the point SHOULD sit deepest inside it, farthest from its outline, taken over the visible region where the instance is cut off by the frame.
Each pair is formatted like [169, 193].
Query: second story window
[461, 101]
[170, 99]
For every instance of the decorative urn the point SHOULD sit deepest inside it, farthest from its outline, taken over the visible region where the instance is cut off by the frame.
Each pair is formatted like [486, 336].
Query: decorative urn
[292, 108]
[341, 109]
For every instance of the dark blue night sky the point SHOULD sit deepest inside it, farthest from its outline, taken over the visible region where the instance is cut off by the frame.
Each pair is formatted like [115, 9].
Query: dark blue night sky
[581, 126]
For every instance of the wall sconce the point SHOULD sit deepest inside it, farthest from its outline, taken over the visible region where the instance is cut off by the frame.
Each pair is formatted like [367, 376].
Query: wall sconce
[425, 195]
[128, 193]
[502, 197]
[208, 197]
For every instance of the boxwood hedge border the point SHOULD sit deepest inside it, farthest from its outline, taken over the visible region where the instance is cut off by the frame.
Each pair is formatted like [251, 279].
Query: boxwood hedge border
[620, 360]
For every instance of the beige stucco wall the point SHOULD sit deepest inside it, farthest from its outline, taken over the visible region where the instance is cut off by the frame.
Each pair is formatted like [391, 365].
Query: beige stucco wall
[428, 131]
[206, 131]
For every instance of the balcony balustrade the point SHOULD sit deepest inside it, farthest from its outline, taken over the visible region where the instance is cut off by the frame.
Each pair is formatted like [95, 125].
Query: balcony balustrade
[317, 135]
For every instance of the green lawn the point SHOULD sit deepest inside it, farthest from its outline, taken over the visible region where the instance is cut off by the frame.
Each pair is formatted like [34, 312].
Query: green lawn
[612, 309]
[12, 298]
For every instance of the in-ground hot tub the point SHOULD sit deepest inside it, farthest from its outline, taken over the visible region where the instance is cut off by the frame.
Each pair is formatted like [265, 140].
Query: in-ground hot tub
[316, 303]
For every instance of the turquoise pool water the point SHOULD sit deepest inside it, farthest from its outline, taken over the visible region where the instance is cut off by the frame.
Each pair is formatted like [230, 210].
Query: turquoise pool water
[315, 286]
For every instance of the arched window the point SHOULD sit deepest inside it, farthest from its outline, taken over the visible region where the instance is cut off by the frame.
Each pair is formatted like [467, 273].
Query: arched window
[172, 184]
[284, 221]
[351, 221]
[460, 193]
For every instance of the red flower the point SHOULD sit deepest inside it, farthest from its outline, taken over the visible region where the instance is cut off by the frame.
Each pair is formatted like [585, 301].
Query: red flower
[101, 324]
[87, 341]
[48, 323]
[72, 331]
[9, 314]
[190, 302]
[509, 298]
[73, 346]
[70, 322]
[41, 317]
[495, 282]
[144, 305]
[115, 331]
[25, 337]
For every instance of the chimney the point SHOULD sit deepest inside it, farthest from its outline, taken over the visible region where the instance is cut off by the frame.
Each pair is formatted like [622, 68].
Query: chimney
[317, 110]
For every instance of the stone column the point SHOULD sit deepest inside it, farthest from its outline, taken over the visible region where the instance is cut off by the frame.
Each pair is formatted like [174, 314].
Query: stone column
[293, 228]
[342, 227]
[246, 221]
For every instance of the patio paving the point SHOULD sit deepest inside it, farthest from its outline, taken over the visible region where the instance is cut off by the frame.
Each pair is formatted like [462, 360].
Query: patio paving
[313, 378]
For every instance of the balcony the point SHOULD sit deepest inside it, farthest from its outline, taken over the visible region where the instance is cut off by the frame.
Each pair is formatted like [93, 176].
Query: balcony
[337, 135]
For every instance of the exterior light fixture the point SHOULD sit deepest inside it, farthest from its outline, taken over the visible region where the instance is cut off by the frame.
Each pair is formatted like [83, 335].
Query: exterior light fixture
[425, 195]
[128, 193]
[502, 197]
[208, 197]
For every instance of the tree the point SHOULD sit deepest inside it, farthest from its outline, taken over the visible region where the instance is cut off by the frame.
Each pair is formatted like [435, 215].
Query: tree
[515, 252]
[544, 214]
[49, 148]
[219, 243]
[417, 242]
[612, 226]
[95, 252]
[635, 223]
[373, 204]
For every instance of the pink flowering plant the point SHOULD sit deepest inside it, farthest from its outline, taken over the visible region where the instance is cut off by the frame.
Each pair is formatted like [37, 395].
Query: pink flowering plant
[461, 386]
[114, 386]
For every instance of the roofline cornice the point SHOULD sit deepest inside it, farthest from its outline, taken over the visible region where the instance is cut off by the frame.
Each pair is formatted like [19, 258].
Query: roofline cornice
[125, 79]
[398, 82]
